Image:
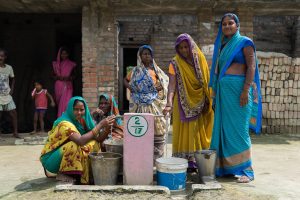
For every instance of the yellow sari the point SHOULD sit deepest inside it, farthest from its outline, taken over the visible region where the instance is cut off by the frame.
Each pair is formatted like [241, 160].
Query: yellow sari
[60, 154]
[192, 129]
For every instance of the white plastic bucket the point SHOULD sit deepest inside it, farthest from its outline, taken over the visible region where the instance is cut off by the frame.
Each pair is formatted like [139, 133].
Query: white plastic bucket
[171, 173]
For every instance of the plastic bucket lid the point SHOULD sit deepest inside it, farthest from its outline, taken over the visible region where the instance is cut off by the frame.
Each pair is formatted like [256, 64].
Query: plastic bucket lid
[171, 164]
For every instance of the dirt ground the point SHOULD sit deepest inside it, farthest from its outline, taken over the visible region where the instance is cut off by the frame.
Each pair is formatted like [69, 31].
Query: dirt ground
[276, 163]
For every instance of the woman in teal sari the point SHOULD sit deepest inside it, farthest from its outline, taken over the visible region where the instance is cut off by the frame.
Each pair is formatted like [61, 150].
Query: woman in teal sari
[73, 136]
[237, 100]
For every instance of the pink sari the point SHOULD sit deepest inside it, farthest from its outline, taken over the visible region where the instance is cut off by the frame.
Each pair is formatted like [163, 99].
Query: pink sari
[63, 89]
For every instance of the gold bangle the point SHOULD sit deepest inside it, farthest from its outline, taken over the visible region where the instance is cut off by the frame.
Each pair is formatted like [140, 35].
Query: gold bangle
[95, 132]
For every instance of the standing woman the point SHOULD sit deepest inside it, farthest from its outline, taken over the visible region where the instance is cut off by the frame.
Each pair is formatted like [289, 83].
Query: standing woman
[235, 82]
[64, 75]
[148, 86]
[189, 99]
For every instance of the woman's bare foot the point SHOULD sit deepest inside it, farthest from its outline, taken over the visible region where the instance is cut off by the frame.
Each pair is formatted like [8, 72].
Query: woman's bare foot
[65, 178]
[244, 179]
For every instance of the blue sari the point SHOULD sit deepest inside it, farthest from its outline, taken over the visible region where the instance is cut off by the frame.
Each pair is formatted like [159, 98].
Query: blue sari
[230, 136]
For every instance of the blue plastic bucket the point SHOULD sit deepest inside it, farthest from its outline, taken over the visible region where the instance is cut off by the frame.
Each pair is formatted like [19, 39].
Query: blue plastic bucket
[171, 173]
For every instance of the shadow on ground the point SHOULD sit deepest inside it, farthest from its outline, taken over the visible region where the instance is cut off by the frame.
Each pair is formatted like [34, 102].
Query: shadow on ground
[273, 139]
[37, 184]
[34, 185]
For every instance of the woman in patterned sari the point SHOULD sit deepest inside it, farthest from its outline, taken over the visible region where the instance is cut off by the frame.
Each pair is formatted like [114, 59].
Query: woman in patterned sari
[73, 136]
[237, 101]
[148, 86]
[189, 100]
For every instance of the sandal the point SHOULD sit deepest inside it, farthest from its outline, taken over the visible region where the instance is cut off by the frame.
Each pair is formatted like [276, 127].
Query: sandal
[244, 179]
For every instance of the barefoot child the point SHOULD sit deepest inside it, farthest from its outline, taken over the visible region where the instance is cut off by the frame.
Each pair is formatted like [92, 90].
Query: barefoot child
[41, 97]
[7, 83]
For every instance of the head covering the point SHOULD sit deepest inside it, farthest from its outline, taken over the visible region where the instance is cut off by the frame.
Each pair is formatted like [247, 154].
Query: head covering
[191, 99]
[141, 82]
[184, 37]
[146, 47]
[113, 106]
[233, 16]
[222, 59]
[68, 115]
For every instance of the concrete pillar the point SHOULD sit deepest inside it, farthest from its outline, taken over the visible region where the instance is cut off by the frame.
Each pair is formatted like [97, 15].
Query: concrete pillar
[138, 149]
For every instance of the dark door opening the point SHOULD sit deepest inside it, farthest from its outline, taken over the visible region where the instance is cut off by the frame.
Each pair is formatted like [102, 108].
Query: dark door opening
[32, 42]
[129, 59]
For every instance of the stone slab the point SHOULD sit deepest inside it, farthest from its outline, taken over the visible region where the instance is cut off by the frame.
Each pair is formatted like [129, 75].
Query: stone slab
[113, 188]
[212, 185]
[34, 140]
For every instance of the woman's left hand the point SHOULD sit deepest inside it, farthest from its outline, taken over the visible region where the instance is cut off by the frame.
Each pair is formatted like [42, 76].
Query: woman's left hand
[159, 87]
[244, 98]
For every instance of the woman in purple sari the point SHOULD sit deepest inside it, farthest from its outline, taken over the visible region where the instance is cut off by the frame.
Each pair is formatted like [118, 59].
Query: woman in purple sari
[64, 75]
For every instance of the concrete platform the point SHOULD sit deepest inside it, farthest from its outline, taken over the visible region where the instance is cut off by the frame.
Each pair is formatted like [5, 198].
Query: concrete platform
[113, 188]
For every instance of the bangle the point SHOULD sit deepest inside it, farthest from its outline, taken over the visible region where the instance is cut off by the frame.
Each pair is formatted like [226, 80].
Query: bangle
[95, 132]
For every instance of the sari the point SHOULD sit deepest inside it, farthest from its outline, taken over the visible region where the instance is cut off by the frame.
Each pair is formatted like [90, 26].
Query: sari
[117, 128]
[63, 89]
[192, 128]
[231, 138]
[146, 99]
[60, 154]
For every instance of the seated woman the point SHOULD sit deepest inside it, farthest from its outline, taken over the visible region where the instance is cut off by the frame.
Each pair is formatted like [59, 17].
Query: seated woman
[73, 136]
[107, 107]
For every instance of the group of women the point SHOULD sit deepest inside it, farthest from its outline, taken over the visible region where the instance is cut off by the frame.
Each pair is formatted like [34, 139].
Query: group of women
[209, 110]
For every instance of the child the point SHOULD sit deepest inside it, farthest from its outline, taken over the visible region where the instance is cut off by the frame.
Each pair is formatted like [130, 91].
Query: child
[7, 83]
[40, 97]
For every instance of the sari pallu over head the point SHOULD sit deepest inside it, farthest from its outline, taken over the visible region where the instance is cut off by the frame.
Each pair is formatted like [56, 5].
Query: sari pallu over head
[144, 91]
[222, 59]
[114, 110]
[192, 80]
[68, 116]
[62, 67]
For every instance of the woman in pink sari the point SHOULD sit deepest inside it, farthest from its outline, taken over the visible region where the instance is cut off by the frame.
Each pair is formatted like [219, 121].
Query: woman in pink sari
[64, 75]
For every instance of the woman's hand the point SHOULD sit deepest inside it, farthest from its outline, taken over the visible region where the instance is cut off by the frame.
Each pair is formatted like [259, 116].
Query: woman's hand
[206, 106]
[244, 98]
[108, 121]
[167, 109]
[99, 112]
[159, 87]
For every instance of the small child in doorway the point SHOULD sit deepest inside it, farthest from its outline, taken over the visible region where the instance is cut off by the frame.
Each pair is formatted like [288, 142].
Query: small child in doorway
[40, 97]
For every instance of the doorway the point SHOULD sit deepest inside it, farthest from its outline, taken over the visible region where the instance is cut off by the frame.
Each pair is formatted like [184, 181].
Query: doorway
[128, 58]
[32, 42]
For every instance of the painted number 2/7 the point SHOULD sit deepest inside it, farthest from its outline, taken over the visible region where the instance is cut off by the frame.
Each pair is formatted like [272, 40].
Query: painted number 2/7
[137, 126]
[138, 130]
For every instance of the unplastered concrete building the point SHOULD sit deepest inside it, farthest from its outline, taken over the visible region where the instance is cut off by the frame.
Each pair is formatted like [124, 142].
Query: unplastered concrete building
[104, 36]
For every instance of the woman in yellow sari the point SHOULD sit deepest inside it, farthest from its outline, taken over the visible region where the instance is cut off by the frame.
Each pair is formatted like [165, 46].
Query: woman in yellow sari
[189, 100]
[73, 136]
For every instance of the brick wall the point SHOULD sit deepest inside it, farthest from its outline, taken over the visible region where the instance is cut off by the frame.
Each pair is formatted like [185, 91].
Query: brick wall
[275, 34]
[280, 87]
[135, 32]
[99, 52]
